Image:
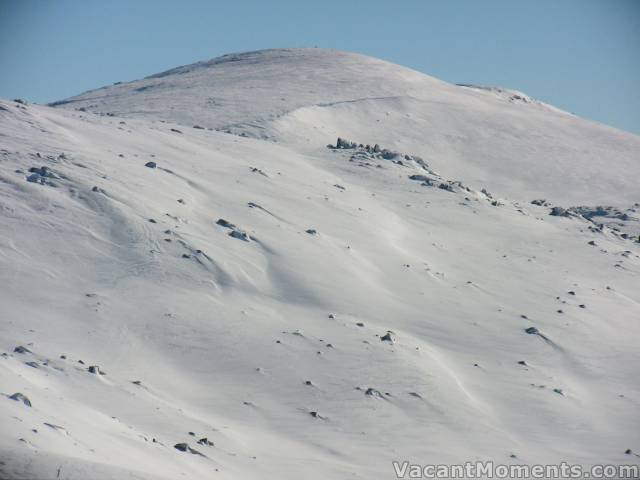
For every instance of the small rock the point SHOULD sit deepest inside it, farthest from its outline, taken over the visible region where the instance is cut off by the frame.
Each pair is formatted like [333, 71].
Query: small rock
[311, 231]
[239, 235]
[21, 349]
[388, 337]
[224, 223]
[372, 392]
[532, 331]
[183, 447]
[95, 369]
[559, 212]
[19, 397]
[150, 165]
[419, 178]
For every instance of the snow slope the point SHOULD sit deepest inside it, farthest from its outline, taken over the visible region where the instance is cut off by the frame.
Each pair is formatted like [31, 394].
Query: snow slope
[271, 343]
[498, 138]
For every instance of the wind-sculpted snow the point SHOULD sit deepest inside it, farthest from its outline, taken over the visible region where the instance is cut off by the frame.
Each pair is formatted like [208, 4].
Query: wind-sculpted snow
[492, 136]
[180, 302]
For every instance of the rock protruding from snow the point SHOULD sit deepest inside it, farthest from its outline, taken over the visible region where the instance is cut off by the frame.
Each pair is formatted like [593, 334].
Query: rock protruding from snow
[19, 397]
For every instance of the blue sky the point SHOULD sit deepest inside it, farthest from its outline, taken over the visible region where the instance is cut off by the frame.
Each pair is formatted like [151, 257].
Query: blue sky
[580, 55]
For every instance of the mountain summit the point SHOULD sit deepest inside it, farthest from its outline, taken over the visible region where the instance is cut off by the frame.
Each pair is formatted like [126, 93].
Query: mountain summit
[499, 138]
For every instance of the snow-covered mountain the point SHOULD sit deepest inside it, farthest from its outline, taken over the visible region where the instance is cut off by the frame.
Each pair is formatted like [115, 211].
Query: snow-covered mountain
[306, 98]
[197, 283]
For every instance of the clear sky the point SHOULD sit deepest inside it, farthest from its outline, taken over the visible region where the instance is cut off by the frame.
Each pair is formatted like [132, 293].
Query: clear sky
[580, 55]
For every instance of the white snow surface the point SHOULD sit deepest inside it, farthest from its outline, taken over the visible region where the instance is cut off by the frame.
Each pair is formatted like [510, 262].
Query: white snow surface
[270, 343]
[499, 138]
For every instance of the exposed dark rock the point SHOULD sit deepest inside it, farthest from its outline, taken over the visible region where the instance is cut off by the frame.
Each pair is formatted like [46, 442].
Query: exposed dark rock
[150, 165]
[224, 223]
[239, 235]
[21, 349]
[372, 392]
[19, 397]
[558, 212]
[532, 330]
[419, 178]
[342, 143]
[388, 337]
[95, 369]
[257, 170]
